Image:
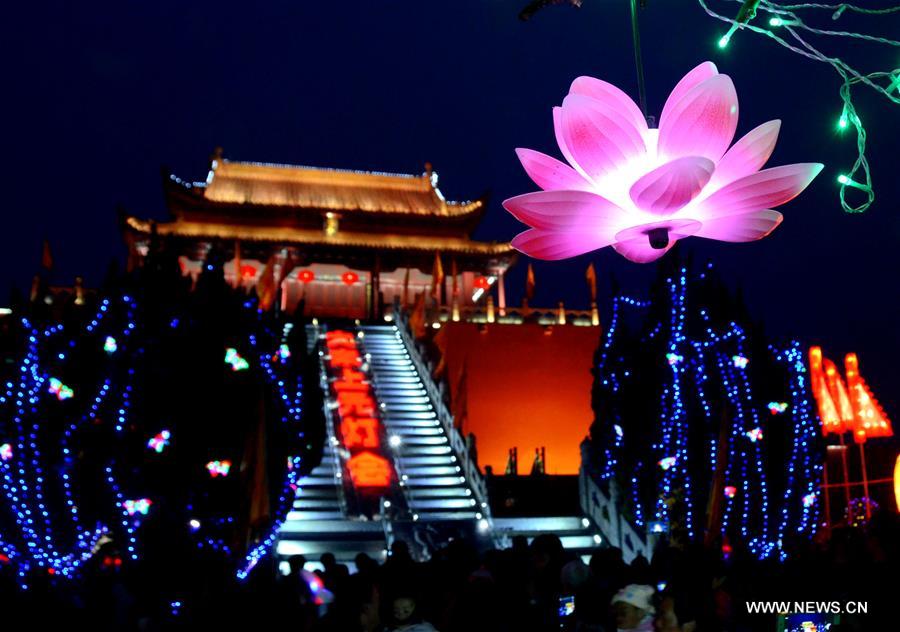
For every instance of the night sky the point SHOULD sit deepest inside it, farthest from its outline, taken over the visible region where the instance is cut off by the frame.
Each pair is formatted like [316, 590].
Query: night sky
[100, 95]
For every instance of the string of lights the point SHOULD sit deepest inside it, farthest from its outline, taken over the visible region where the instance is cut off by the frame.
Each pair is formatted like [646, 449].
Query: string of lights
[708, 382]
[24, 481]
[786, 26]
[292, 399]
[40, 387]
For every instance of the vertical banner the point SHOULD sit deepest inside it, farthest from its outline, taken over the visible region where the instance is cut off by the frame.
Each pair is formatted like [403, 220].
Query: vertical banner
[360, 429]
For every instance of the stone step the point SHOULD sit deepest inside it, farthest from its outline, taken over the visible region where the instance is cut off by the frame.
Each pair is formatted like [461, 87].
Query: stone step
[438, 492]
[419, 471]
[316, 503]
[441, 503]
[304, 516]
[433, 516]
[435, 481]
[407, 461]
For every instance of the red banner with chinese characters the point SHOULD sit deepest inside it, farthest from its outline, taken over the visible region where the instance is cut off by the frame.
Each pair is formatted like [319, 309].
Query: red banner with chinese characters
[360, 429]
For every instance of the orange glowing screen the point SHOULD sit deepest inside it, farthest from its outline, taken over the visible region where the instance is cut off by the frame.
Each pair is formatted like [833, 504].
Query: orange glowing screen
[369, 470]
[360, 428]
[524, 386]
[355, 403]
[360, 432]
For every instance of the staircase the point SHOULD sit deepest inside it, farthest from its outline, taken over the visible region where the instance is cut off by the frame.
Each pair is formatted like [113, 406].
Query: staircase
[578, 535]
[438, 484]
[431, 476]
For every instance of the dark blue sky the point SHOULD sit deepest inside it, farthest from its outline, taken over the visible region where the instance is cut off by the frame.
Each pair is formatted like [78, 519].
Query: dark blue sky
[100, 95]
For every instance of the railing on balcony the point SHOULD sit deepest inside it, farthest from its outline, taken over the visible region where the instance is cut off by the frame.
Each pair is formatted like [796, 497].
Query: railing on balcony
[482, 313]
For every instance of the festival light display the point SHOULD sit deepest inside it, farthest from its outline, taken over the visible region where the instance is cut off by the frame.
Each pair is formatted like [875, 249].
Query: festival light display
[828, 412]
[689, 407]
[46, 539]
[777, 408]
[218, 468]
[846, 407]
[639, 189]
[290, 392]
[110, 345]
[159, 441]
[870, 420]
[59, 389]
[859, 511]
[755, 435]
[234, 358]
[360, 429]
[139, 506]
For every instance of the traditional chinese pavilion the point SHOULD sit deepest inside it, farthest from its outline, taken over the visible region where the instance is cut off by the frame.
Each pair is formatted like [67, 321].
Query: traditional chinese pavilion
[348, 244]
[345, 242]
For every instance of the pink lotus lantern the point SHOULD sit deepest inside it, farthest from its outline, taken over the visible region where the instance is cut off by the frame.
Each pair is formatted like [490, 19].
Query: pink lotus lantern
[639, 189]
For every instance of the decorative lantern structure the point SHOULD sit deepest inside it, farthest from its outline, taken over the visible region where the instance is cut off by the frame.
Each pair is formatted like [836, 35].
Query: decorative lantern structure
[639, 189]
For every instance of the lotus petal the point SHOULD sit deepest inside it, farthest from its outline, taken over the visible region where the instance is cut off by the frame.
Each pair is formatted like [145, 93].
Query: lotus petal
[669, 187]
[598, 138]
[702, 122]
[748, 155]
[612, 96]
[639, 249]
[695, 77]
[743, 227]
[565, 211]
[551, 245]
[758, 191]
[549, 173]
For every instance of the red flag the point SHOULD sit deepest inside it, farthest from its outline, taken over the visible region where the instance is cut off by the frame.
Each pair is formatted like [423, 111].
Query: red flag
[529, 283]
[437, 277]
[47, 257]
[266, 286]
[590, 276]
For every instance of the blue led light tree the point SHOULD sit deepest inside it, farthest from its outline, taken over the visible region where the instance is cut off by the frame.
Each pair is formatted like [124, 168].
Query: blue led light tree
[709, 431]
[109, 414]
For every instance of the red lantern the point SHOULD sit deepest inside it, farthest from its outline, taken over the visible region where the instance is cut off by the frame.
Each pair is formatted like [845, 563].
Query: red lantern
[248, 271]
[482, 283]
[349, 278]
[306, 276]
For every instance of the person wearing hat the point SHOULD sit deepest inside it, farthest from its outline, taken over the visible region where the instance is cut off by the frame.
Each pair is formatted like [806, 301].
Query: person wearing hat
[634, 608]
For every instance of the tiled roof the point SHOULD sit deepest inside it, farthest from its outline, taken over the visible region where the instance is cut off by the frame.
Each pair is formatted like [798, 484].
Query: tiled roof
[329, 189]
[290, 235]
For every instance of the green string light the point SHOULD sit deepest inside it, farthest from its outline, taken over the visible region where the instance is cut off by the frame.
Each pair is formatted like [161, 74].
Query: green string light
[784, 18]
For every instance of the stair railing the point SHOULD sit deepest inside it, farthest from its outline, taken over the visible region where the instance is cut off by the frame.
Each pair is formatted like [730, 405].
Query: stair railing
[469, 469]
[600, 501]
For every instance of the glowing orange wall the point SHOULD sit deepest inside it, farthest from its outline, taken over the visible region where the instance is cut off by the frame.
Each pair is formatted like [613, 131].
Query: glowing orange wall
[526, 388]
